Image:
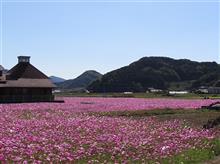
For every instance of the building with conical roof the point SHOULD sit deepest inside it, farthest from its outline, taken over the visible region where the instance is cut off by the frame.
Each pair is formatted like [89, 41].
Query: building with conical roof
[25, 83]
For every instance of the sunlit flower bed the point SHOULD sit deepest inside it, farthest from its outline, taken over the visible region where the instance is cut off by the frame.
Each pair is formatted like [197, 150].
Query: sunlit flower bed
[109, 104]
[62, 136]
[64, 132]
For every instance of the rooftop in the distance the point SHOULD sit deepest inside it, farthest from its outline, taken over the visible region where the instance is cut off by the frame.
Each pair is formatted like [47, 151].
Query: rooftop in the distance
[24, 74]
[25, 70]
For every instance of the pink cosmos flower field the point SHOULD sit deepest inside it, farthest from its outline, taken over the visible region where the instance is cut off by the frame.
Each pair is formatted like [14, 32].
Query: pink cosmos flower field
[64, 133]
[82, 104]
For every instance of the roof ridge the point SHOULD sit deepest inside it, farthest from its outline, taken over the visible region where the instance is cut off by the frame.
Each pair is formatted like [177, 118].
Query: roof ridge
[25, 70]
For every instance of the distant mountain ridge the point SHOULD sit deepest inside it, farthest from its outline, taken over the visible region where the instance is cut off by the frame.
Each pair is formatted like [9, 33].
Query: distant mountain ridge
[81, 81]
[55, 79]
[159, 72]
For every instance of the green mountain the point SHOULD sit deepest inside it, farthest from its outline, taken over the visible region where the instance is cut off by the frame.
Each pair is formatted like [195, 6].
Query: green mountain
[56, 79]
[81, 81]
[161, 73]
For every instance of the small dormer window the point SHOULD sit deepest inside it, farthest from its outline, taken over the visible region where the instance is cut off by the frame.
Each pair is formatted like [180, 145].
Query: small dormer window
[23, 59]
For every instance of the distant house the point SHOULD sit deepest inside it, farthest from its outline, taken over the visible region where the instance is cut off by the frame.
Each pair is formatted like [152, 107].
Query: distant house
[178, 92]
[208, 90]
[24, 83]
[153, 90]
[202, 89]
[214, 90]
[56, 91]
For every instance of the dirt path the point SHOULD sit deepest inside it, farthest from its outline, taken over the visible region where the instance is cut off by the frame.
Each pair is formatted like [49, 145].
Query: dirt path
[214, 161]
[194, 119]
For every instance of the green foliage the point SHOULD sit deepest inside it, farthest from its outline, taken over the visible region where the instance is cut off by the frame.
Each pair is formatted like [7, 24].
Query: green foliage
[190, 156]
[217, 84]
[209, 79]
[216, 146]
[158, 72]
[195, 155]
[81, 81]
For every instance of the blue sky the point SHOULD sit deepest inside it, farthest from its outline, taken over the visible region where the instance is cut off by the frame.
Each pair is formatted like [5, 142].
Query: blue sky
[65, 39]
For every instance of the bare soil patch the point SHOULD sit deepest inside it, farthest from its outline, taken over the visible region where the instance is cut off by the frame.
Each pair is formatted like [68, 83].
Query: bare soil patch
[194, 119]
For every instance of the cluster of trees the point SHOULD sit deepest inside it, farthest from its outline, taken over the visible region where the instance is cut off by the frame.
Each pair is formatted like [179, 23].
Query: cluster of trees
[158, 72]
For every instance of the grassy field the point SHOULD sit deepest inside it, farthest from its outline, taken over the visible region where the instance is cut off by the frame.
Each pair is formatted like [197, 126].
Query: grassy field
[141, 95]
[196, 118]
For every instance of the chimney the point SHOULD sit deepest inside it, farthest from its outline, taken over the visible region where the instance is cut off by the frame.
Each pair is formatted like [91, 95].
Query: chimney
[23, 59]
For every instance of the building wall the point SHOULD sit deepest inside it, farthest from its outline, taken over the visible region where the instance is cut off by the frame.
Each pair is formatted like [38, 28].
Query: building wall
[214, 90]
[26, 94]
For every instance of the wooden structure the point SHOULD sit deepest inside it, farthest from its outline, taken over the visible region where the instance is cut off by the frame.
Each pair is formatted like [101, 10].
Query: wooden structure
[25, 83]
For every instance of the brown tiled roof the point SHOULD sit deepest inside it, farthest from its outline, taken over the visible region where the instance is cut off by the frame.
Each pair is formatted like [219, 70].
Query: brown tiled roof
[28, 83]
[26, 75]
[25, 70]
